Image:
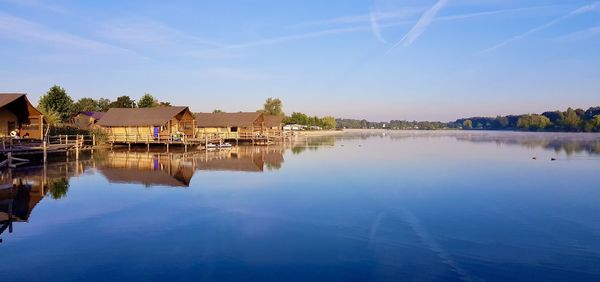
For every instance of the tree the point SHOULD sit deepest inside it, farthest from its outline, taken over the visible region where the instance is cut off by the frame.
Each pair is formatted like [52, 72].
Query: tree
[147, 101]
[468, 124]
[592, 112]
[593, 124]
[103, 104]
[85, 104]
[164, 104]
[216, 111]
[571, 121]
[51, 117]
[502, 121]
[273, 106]
[57, 100]
[364, 123]
[59, 188]
[328, 122]
[298, 118]
[533, 122]
[123, 102]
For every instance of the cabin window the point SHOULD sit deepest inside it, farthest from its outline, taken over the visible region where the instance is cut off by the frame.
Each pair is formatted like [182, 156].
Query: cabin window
[11, 126]
[234, 129]
[186, 126]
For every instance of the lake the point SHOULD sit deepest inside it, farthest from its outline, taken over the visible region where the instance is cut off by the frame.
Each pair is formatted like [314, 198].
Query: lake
[361, 206]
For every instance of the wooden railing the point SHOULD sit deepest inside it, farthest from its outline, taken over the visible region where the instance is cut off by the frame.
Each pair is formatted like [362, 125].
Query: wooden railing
[144, 138]
[78, 140]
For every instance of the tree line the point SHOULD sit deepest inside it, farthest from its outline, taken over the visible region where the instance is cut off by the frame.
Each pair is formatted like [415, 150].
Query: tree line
[571, 120]
[393, 124]
[274, 106]
[58, 106]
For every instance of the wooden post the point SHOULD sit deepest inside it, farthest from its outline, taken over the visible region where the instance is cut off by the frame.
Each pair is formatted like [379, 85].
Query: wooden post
[41, 126]
[93, 140]
[77, 147]
[66, 139]
[45, 145]
[9, 155]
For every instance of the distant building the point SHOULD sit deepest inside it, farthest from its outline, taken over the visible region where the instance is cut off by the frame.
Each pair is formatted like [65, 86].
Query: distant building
[19, 118]
[86, 120]
[293, 127]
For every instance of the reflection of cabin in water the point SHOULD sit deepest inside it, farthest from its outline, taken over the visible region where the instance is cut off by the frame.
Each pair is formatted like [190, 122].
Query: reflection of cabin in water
[86, 120]
[148, 169]
[238, 126]
[148, 125]
[18, 197]
[242, 158]
[16, 112]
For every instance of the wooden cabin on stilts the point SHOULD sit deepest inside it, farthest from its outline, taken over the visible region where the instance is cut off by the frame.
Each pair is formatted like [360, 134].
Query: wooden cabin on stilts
[161, 125]
[242, 126]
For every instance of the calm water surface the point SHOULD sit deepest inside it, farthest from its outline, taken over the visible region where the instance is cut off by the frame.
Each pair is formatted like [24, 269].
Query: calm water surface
[417, 206]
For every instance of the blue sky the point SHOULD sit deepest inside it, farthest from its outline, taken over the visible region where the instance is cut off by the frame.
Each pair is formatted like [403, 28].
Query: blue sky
[379, 59]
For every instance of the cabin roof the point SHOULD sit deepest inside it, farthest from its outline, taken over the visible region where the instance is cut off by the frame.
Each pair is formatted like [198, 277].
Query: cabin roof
[273, 120]
[226, 119]
[158, 116]
[94, 115]
[7, 98]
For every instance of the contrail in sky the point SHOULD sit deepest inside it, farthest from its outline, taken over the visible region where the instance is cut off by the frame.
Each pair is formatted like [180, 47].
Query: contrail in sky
[373, 15]
[581, 10]
[421, 25]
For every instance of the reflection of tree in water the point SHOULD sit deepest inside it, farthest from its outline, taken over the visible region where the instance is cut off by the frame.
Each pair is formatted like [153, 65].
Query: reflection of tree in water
[570, 143]
[273, 166]
[313, 144]
[59, 188]
[562, 143]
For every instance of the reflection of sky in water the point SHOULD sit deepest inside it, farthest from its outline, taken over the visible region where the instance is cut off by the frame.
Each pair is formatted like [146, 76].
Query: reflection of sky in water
[436, 206]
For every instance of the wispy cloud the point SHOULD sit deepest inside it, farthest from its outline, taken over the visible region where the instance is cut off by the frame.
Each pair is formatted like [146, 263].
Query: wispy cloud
[406, 13]
[374, 15]
[581, 10]
[286, 38]
[582, 34]
[37, 4]
[359, 28]
[23, 30]
[144, 32]
[421, 25]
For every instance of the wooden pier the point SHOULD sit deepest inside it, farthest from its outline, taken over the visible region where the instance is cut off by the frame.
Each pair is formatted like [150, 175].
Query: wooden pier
[20, 151]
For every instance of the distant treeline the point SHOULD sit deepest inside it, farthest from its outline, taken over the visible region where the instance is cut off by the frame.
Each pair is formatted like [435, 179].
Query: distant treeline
[394, 124]
[326, 122]
[571, 120]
